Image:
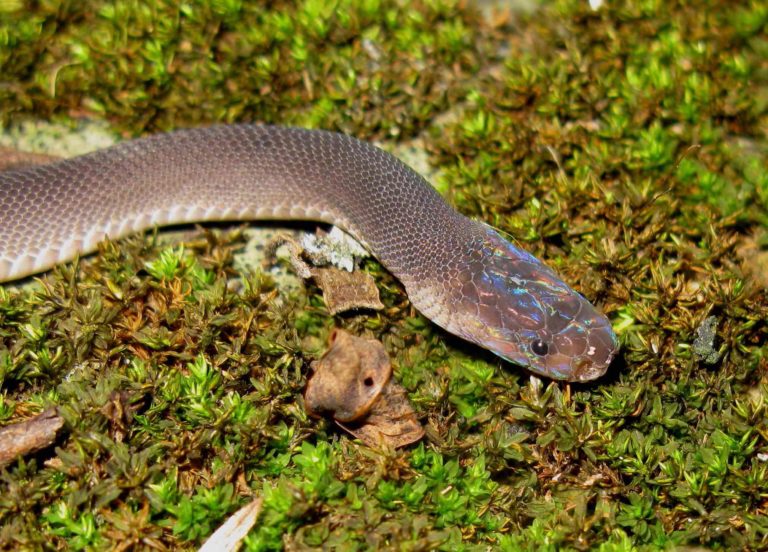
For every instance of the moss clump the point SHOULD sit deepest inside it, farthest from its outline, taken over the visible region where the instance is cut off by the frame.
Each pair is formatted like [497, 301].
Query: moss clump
[626, 146]
[374, 66]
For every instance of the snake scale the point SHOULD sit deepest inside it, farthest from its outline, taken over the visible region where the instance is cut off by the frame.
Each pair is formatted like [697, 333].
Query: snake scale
[459, 273]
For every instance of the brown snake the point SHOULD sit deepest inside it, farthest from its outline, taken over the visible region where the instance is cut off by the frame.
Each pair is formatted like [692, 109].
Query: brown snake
[458, 272]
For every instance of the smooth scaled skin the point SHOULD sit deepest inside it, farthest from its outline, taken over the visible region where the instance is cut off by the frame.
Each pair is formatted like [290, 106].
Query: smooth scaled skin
[459, 273]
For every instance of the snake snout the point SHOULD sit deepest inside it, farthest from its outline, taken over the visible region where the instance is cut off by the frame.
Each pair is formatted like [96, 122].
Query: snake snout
[585, 369]
[589, 345]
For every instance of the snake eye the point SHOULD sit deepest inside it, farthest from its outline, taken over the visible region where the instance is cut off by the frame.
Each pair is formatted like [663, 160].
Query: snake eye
[539, 347]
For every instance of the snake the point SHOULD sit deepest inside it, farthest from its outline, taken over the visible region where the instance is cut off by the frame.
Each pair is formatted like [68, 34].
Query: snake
[460, 273]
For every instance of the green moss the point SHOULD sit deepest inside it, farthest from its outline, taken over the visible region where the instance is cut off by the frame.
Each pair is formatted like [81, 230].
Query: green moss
[162, 65]
[626, 146]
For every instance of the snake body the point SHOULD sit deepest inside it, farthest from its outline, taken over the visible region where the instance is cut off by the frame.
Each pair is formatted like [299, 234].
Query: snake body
[458, 272]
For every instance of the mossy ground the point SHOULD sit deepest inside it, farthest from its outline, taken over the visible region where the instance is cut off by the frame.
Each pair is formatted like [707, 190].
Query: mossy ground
[626, 146]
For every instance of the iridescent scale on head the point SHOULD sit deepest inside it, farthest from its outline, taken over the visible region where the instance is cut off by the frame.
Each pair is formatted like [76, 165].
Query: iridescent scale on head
[517, 307]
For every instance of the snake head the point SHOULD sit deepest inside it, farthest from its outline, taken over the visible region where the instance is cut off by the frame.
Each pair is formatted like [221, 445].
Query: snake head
[517, 307]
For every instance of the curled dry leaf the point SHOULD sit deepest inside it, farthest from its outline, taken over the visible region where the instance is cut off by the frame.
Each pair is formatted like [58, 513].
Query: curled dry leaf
[22, 438]
[391, 420]
[348, 378]
[342, 290]
[351, 383]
